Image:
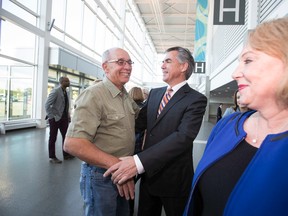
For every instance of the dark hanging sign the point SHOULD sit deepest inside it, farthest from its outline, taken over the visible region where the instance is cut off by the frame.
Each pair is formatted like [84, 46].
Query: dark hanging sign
[229, 12]
[200, 67]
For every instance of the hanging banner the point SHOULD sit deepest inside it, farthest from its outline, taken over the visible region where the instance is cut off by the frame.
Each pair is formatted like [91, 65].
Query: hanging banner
[200, 31]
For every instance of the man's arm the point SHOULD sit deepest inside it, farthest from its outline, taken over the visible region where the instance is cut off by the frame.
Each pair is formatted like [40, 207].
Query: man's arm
[88, 152]
[49, 103]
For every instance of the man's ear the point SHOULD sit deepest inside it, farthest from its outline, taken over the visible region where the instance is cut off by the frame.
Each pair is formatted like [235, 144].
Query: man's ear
[184, 67]
[105, 66]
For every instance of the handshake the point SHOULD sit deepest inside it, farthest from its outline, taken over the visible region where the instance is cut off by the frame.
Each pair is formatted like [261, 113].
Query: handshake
[122, 174]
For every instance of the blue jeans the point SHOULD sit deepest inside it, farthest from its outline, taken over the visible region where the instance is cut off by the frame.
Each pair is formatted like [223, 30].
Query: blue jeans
[101, 197]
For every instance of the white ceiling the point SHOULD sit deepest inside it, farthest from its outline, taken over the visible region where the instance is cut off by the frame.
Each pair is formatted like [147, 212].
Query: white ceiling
[169, 22]
[172, 23]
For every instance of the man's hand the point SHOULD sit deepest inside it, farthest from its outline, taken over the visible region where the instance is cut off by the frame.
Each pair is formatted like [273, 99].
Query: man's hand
[127, 189]
[122, 171]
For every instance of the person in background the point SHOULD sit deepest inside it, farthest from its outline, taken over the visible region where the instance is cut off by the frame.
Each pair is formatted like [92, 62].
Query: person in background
[244, 167]
[101, 131]
[238, 107]
[137, 95]
[57, 113]
[219, 112]
[145, 94]
[166, 161]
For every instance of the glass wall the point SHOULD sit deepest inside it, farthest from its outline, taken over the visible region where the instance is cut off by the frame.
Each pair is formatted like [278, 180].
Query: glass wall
[84, 28]
[93, 27]
[16, 84]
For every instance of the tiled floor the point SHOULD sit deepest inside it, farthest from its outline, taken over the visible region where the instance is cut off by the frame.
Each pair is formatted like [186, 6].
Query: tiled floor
[31, 186]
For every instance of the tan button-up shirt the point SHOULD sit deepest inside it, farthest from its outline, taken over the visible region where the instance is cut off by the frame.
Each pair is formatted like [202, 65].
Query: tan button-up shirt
[106, 117]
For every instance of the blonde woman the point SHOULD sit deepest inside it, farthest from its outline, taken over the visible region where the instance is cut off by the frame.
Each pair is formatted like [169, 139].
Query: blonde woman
[244, 167]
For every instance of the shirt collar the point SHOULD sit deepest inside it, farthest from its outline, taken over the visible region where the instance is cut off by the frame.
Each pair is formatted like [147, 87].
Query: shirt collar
[178, 86]
[113, 89]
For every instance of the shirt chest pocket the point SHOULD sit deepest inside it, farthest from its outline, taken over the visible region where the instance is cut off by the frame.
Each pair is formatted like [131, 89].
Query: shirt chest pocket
[115, 120]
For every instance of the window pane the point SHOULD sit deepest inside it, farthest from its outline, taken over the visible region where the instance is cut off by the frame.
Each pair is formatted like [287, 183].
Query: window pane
[15, 96]
[17, 42]
[89, 28]
[52, 75]
[73, 18]
[51, 86]
[100, 36]
[20, 12]
[3, 97]
[32, 5]
[20, 99]
[23, 72]
[3, 68]
[59, 35]
[58, 13]
[72, 42]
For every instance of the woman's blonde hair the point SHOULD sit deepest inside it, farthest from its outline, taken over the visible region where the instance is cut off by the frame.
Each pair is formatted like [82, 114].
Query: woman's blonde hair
[271, 37]
[136, 94]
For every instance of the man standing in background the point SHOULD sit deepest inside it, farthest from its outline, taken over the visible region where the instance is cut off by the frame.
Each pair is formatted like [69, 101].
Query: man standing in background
[219, 112]
[57, 112]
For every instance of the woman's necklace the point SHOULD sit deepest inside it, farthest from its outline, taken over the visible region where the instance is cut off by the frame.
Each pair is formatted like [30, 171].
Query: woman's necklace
[255, 140]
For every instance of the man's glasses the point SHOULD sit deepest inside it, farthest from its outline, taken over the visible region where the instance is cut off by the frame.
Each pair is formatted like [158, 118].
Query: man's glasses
[121, 62]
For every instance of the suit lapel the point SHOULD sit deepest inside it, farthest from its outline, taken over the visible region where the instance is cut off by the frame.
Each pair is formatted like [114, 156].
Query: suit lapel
[176, 97]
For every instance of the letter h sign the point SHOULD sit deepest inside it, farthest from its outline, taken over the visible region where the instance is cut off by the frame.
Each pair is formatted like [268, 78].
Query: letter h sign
[229, 12]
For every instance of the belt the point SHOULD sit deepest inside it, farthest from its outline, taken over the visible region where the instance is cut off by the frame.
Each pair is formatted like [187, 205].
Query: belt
[93, 168]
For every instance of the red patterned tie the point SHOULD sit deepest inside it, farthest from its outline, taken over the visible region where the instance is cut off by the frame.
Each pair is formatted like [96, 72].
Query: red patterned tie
[165, 100]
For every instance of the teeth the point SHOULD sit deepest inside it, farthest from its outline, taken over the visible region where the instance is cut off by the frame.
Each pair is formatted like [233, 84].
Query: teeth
[126, 74]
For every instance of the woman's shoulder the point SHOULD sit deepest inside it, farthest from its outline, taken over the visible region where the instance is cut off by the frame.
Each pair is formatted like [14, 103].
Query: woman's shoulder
[228, 111]
[231, 108]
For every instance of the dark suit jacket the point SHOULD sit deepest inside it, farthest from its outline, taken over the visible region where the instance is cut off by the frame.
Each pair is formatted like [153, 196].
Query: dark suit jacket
[167, 155]
[219, 113]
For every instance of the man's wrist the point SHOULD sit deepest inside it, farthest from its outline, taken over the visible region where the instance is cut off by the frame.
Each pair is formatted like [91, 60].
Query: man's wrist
[139, 165]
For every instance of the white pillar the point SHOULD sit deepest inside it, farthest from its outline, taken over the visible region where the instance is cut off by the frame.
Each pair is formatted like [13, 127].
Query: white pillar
[43, 64]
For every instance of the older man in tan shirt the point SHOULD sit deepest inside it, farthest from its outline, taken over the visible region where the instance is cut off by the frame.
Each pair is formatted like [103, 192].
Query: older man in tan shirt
[101, 131]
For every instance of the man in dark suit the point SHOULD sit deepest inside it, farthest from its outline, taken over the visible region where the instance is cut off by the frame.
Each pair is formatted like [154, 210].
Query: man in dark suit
[57, 110]
[166, 162]
[219, 112]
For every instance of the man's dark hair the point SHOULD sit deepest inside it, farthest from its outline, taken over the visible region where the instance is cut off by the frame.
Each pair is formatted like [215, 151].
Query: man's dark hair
[61, 79]
[184, 55]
